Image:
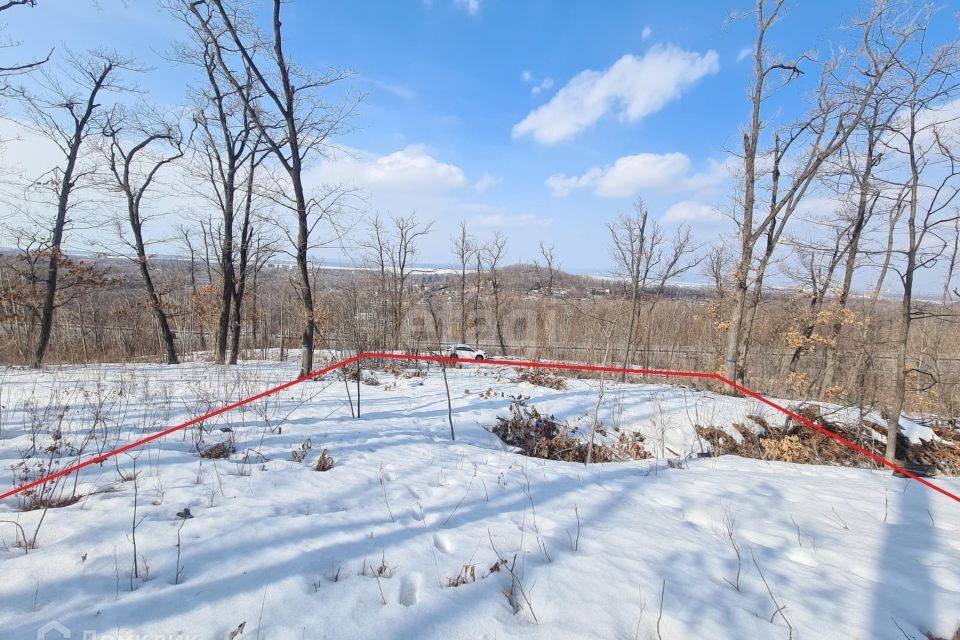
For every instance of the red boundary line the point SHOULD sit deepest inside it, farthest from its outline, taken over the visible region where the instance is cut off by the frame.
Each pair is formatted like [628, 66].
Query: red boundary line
[510, 363]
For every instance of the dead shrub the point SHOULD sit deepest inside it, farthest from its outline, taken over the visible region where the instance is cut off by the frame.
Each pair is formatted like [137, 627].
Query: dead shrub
[32, 501]
[759, 420]
[801, 444]
[394, 368]
[542, 378]
[944, 456]
[299, 455]
[723, 443]
[541, 436]
[218, 451]
[467, 575]
[629, 446]
[324, 462]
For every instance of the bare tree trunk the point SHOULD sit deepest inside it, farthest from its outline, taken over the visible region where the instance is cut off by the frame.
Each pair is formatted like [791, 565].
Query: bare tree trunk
[97, 71]
[124, 164]
[822, 133]
[243, 266]
[463, 248]
[305, 121]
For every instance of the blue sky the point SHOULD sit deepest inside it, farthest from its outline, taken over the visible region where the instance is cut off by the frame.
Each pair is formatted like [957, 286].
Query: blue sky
[633, 97]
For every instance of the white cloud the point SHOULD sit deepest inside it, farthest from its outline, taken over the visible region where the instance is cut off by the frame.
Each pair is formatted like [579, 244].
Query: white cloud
[470, 6]
[485, 182]
[821, 208]
[562, 185]
[25, 154]
[631, 174]
[408, 169]
[745, 53]
[388, 87]
[715, 176]
[545, 85]
[632, 88]
[688, 211]
[942, 119]
[646, 33]
[540, 86]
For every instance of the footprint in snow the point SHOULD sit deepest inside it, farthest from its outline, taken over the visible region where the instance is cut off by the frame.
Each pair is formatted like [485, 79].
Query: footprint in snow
[410, 589]
[442, 543]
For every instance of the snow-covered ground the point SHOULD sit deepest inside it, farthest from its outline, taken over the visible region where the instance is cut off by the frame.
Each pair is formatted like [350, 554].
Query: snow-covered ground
[370, 548]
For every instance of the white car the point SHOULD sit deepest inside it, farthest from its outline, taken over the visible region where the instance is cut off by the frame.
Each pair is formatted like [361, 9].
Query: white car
[465, 352]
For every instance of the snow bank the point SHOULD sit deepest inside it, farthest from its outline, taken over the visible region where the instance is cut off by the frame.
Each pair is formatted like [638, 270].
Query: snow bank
[368, 548]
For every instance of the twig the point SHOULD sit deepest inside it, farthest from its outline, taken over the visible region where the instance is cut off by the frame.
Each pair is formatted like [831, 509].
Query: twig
[176, 579]
[465, 493]
[262, 602]
[376, 574]
[26, 545]
[779, 607]
[516, 580]
[33, 542]
[798, 529]
[643, 606]
[663, 591]
[575, 544]
[729, 524]
[905, 635]
[526, 489]
[844, 524]
[383, 485]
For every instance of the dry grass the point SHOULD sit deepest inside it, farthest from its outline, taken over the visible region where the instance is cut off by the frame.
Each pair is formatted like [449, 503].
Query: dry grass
[800, 444]
[324, 462]
[542, 378]
[467, 575]
[299, 455]
[218, 451]
[542, 436]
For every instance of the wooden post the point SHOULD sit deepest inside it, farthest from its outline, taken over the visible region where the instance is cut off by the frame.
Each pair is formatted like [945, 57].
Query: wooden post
[358, 388]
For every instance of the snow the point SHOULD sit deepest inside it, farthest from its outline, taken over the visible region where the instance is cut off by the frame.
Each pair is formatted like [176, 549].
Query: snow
[295, 553]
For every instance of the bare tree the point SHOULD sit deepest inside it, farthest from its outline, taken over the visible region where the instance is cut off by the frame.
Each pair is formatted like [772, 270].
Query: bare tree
[493, 253]
[550, 265]
[646, 262]
[62, 109]
[138, 146]
[478, 256]
[23, 67]
[464, 248]
[818, 265]
[633, 252]
[228, 144]
[858, 163]
[805, 146]
[394, 249]
[927, 186]
[293, 118]
[255, 249]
